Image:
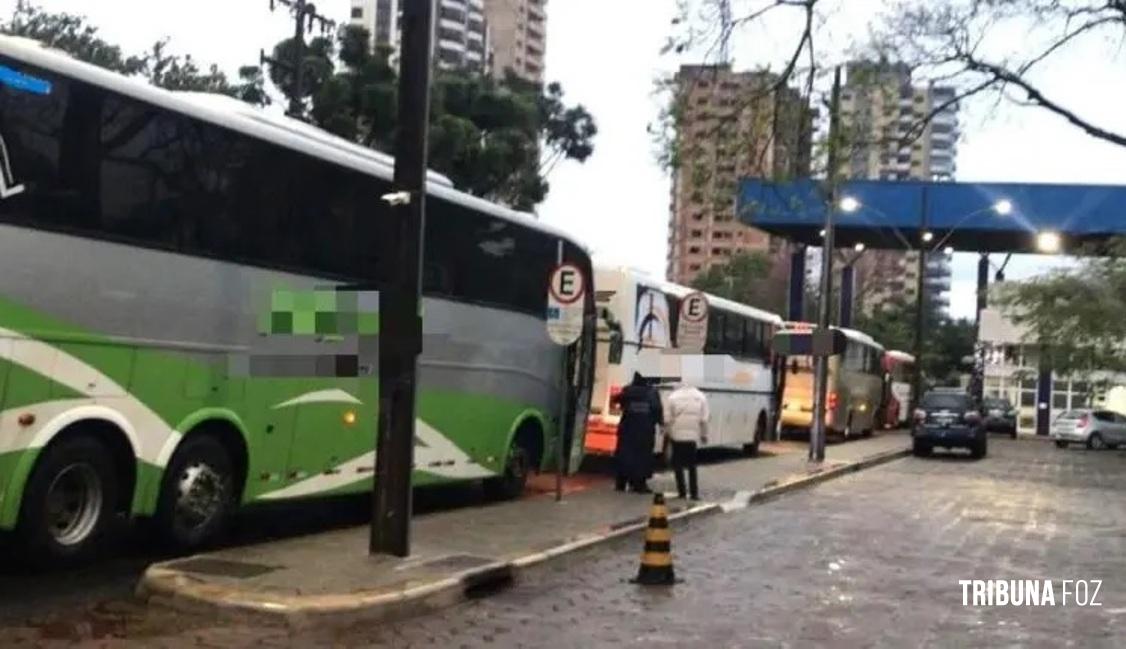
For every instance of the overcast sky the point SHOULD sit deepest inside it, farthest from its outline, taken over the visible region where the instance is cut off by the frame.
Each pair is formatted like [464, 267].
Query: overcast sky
[606, 53]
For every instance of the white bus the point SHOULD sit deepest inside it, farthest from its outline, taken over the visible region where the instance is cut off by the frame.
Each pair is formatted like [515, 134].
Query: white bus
[855, 388]
[900, 368]
[636, 333]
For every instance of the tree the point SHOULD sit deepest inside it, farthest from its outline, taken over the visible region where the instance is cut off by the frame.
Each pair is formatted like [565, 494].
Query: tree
[74, 35]
[1076, 314]
[497, 140]
[962, 43]
[946, 344]
[747, 278]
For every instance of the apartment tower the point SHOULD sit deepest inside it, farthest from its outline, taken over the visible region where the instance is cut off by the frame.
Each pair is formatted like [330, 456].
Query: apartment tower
[519, 36]
[461, 31]
[729, 125]
[885, 119]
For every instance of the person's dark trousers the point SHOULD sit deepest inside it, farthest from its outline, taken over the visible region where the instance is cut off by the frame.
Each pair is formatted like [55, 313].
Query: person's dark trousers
[619, 482]
[684, 457]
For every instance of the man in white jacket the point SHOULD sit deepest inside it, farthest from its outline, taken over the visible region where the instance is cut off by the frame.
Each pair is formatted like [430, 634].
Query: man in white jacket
[686, 424]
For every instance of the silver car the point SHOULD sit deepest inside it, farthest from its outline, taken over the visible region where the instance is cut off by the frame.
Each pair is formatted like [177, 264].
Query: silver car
[1095, 428]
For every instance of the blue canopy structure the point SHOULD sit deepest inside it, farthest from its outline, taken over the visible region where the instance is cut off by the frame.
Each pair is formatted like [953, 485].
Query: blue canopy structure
[975, 217]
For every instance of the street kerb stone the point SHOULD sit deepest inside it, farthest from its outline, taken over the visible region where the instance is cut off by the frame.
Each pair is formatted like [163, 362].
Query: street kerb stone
[163, 585]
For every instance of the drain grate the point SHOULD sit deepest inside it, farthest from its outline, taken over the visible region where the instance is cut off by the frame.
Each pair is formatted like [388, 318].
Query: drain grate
[222, 568]
[455, 562]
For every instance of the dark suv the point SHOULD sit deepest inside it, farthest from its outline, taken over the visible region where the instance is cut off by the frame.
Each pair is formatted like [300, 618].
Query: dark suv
[949, 420]
[1000, 416]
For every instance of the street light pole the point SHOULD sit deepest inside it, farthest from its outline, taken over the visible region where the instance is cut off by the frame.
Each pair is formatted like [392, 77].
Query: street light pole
[920, 307]
[821, 363]
[400, 336]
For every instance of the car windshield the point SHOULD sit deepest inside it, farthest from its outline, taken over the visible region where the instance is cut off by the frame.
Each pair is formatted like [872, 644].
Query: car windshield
[939, 400]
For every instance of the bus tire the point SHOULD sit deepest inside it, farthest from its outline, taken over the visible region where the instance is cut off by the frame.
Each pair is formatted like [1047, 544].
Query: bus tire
[197, 494]
[517, 465]
[69, 501]
[751, 449]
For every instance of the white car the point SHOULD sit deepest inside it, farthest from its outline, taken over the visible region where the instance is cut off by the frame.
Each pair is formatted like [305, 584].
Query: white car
[1095, 428]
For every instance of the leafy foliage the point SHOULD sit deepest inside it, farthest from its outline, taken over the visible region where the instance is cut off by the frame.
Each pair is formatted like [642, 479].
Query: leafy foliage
[945, 342]
[1076, 314]
[496, 140]
[74, 35]
[748, 278]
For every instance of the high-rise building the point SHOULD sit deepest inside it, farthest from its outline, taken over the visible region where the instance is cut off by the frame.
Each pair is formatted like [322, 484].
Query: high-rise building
[380, 18]
[519, 33]
[461, 32]
[892, 135]
[730, 125]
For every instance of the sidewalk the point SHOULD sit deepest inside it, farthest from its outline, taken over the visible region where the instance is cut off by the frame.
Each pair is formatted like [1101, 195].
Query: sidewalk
[461, 553]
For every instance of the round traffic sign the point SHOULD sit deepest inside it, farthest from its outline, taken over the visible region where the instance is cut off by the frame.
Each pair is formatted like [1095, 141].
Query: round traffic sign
[694, 307]
[568, 285]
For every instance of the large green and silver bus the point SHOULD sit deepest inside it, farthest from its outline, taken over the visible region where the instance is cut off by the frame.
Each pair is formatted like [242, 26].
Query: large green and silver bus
[189, 314]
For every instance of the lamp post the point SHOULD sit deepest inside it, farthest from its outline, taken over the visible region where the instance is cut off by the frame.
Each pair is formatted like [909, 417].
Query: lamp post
[1046, 242]
[821, 363]
[848, 286]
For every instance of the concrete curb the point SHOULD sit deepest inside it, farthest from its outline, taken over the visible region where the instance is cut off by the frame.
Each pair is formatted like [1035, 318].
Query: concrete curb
[178, 590]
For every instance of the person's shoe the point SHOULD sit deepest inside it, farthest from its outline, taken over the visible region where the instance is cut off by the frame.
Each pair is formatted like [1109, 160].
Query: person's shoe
[682, 496]
[695, 498]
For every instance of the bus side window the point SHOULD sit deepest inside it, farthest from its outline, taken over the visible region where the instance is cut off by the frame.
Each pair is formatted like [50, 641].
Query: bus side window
[715, 333]
[733, 335]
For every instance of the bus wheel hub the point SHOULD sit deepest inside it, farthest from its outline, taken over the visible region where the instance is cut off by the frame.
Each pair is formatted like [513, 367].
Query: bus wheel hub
[201, 493]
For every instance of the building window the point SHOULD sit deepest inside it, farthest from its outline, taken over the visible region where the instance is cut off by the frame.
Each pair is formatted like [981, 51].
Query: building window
[357, 12]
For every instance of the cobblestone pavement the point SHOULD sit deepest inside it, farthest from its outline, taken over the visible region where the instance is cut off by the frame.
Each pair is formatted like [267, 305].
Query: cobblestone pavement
[871, 559]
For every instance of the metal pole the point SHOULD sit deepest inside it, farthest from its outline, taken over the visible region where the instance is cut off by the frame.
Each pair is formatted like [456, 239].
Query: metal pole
[559, 432]
[796, 301]
[920, 307]
[1044, 387]
[978, 387]
[848, 287]
[400, 339]
[821, 365]
[562, 404]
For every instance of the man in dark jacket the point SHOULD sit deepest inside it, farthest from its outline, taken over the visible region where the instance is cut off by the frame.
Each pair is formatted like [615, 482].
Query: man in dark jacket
[637, 429]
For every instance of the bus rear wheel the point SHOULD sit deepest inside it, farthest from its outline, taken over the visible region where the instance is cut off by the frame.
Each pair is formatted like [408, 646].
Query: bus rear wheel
[68, 504]
[197, 494]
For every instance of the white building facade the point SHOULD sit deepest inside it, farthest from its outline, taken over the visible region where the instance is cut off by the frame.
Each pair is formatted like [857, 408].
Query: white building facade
[1013, 371]
[461, 31]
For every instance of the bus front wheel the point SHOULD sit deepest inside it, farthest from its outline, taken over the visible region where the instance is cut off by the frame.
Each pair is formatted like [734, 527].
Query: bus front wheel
[197, 493]
[69, 502]
[517, 465]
